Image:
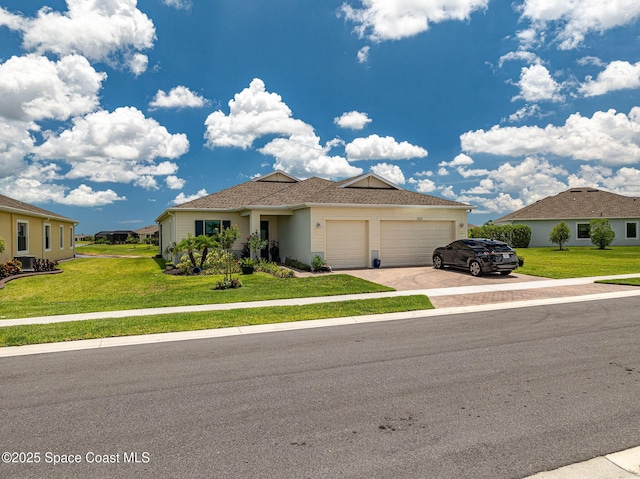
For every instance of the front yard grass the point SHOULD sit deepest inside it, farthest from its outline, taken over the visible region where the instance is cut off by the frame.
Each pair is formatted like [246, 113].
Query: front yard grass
[109, 284]
[102, 328]
[139, 249]
[579, 261]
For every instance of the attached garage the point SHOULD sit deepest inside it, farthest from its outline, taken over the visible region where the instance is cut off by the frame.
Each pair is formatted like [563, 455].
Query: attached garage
[347, 244]
[411, 243]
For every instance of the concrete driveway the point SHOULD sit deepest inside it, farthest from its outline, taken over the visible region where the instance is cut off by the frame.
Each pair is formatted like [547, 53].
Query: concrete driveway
[427, 277]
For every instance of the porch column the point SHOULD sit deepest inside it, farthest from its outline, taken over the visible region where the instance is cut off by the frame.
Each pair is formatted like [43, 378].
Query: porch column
[254, 225]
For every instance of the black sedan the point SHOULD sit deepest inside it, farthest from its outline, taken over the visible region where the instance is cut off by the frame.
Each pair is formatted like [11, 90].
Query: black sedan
[476, 255]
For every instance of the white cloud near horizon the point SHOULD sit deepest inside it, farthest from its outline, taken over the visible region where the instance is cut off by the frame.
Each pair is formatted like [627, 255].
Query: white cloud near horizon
[375, 147]
[608, 138]
[354, 120]
[178, 97]
[381, 20]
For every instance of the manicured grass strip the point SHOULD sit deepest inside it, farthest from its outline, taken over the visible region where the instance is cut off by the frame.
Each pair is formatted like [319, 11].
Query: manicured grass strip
[164, 323]
[109, 284]
[117, 249]
[579, 261]
[624, 282]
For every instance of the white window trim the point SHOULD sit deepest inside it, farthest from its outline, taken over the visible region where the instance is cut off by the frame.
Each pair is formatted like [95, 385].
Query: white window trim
[625, 230]
[19, 251]
[44, 237]
[61, 237]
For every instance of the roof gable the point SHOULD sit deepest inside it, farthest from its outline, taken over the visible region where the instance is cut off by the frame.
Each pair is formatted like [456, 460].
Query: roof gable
[370, 180]
[277, 176]
[578, 203]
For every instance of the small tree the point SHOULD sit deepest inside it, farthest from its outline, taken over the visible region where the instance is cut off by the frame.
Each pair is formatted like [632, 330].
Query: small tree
[560, 234]
[188, 245]
[256, 243]
[601, 233]
[205, 243]
[226, 238]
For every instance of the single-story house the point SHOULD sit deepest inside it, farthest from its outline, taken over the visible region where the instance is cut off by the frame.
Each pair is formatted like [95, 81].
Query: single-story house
[148, 232]
[348, 223]
[33, 232]
[116, 237]
[576, 207]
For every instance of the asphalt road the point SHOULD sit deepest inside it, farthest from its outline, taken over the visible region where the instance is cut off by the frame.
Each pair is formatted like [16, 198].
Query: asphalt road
[493, 395]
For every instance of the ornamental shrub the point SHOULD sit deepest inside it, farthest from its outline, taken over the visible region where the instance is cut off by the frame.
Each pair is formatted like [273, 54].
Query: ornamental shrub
[10, 268]
[294, 263]
[516, 236]
[601, 233]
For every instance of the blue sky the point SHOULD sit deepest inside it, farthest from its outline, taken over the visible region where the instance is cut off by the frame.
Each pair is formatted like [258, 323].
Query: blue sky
[113, 110]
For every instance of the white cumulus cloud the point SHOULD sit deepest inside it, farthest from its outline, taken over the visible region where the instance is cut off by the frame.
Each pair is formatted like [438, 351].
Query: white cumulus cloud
[395, 19]
[609, 138]
[618, 75]
[536, 84]
[375, 147]
[32, 87]
[182, 198]
[101, 30]
[178, 97]
[354, 120]
[572, 20]
[84, 195]
[390, 172]
[174, 183]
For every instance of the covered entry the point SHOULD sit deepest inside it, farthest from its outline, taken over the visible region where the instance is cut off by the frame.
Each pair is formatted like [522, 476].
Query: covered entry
[347, 244]
[411, 243]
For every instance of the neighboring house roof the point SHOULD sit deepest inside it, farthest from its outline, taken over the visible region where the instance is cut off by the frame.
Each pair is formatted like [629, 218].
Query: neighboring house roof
[278, 190]
[578, 203]
[116, 232]
[148, 230]
[14, 206]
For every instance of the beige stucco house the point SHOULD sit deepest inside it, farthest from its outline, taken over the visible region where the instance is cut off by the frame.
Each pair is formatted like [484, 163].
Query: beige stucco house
[349, 223]
[30, 231]
[576, 207]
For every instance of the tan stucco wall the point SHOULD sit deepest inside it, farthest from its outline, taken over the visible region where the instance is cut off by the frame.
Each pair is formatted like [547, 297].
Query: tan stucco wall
[56, 252]
[178, 226]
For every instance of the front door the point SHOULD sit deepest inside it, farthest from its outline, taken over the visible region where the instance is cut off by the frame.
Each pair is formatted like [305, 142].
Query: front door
[264, 235]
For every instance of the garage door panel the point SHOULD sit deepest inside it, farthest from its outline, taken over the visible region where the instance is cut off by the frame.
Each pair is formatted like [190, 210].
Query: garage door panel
[346, 244]
[411, 243]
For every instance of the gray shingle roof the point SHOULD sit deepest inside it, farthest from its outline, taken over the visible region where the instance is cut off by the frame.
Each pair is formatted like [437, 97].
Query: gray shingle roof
[10, 203]
[311, 191]
[578, 203]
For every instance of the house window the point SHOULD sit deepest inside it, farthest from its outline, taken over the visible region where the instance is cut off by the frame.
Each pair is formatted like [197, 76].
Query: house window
[631, 230]
[207, 227]
[47, 237]
[61, 237]
[71, 237]
[23, 237]
[583, 231]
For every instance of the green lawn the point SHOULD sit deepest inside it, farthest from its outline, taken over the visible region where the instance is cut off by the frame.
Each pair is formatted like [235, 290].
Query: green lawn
[580, 261]
[102, 328]
[145, 250]
[108, 284]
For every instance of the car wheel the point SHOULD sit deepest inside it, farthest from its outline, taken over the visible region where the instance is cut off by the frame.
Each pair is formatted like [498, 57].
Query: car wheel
[437, 262]
[475, 269]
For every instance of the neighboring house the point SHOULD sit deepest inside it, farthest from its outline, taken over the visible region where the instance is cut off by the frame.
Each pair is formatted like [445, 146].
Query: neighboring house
[148, 232]
[348, 223]
[115, 237]
[576, 207]
[32, 232]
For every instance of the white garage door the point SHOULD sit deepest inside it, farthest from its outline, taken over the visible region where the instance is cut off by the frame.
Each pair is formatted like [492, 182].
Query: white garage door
[346, 245]
[411, 243]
